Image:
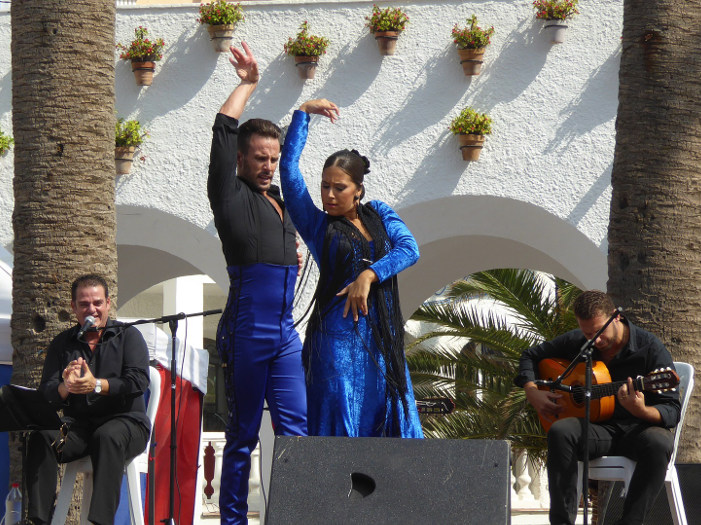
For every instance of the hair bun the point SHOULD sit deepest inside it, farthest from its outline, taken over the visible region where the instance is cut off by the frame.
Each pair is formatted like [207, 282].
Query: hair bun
[365, 160]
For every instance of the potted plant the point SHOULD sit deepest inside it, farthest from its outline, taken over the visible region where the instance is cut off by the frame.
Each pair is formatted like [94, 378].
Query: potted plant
[386, 24]
[306, 49]
[472, 41]
[221, 18]
[554, 14]
[5, 142]
[143, 54]
[471, 127]
[127, 137]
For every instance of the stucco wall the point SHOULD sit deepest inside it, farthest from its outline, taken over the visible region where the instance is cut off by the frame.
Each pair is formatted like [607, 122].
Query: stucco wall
[548, 161]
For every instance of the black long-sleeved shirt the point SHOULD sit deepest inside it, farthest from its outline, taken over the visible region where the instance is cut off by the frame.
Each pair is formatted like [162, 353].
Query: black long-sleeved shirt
[121, 357]
[249, 226]
[643, 353]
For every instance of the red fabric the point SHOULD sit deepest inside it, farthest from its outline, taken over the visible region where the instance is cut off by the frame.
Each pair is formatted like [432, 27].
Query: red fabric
[188, 409]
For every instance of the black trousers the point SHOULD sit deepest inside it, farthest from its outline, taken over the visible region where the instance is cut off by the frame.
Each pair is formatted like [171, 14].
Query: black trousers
[650, 446]
[109, 446]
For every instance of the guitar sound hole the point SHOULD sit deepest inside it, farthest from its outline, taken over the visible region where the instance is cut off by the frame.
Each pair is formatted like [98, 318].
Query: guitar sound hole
[578, 395]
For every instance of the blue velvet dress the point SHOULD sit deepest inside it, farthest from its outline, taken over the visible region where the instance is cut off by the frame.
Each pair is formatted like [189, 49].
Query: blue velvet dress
[346, 372]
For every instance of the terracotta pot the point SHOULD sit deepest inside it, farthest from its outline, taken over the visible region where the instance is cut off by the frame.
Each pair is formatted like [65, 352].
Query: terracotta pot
[123, 158]
[470, 145]
[387, 41]
[306, 66]
[143, 72]
[221, 36]
[556, 30]
[471, 60]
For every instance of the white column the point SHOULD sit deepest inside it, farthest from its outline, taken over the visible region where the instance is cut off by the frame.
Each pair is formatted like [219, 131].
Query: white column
[185, 295]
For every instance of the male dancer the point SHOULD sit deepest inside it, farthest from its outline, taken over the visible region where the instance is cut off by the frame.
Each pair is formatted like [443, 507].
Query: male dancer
[258, 346]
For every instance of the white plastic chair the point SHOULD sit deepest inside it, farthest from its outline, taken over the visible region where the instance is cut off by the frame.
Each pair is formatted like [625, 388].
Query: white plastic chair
[133, 470]
[620, 468]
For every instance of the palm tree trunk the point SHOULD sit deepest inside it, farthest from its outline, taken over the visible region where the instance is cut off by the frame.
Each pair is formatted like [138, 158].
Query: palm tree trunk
[63, 119]
[654, 262]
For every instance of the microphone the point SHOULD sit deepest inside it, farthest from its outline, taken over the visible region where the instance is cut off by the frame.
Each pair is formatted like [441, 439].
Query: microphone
[89, 321]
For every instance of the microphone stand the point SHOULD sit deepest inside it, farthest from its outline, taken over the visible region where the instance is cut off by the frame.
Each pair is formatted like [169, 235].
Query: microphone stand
[585, 354]
[172, 321]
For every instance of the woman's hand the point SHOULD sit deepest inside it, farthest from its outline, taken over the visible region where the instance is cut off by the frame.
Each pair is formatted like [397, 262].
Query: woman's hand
[321, 106]
[357, 292]
[245, 64]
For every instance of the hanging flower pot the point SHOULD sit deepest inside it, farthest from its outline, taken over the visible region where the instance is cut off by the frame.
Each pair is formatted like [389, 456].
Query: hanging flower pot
[128, 135]
[386, 25]
[306, 66]
[387, 41]
[471, 60]
[555, 14]
[221, 18]
[472, 42]
[470, 145]
[471, 127]
[143, 52]
[556, 30]
[306, 50]
[143, 72]
[123, 158]
[221, 36]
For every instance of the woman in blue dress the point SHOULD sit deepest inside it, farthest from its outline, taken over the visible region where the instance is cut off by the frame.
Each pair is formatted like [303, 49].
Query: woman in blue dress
[358, 382]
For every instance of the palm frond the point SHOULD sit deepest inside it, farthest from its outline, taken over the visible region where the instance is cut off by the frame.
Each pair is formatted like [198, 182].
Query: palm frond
[528, 308]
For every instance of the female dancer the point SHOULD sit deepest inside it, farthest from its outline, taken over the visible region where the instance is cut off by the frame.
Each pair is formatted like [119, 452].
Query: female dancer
[357, 379]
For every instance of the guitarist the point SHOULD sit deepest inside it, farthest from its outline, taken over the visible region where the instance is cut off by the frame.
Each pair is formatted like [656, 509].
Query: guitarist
[641, 422]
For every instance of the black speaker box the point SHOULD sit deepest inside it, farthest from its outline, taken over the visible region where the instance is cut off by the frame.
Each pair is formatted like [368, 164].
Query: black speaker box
[689, 481]
[336, 480]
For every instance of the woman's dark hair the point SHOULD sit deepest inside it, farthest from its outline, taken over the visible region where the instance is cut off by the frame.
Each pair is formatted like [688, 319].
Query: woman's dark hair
[353, 163]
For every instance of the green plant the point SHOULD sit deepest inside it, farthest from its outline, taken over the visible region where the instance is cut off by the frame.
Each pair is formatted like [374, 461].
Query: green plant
[497, 314]
[472, 36]
[390, 19]
[5, 142]
[469, 121]
[305, 44]
[128, 133]
[220, 12]
[142, 48]
[552, 9]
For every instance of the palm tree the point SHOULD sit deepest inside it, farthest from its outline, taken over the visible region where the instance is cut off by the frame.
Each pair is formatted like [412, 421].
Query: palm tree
[64, 217]
[653, 261]
[525, 308]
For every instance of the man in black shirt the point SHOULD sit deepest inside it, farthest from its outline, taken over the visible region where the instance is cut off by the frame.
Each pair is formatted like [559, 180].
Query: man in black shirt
[99, 379]
[639, 428]
[256, 340]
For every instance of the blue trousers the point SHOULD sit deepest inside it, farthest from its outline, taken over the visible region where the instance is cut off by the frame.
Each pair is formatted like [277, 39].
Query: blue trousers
[261, 353]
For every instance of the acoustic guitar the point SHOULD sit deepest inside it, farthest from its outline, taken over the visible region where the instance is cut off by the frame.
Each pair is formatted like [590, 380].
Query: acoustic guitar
[603, 399]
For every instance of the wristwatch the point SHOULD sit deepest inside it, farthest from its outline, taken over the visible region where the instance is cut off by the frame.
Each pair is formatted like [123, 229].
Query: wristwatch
[98, 386]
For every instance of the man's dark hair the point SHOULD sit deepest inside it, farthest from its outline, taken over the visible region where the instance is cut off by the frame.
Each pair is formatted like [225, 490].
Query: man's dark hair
[592, 303]
[90, 279]
[256, 126]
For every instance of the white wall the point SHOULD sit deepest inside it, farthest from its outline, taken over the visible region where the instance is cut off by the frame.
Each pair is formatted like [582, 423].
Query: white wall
[538, 197]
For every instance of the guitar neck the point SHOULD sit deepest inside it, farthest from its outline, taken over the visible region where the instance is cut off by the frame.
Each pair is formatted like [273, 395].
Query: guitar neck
[610, 389]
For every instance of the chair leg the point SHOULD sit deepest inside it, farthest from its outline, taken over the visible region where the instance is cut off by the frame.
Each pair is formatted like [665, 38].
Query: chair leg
[136, 506]
[65, 495]
[674, 497]
[87, 497]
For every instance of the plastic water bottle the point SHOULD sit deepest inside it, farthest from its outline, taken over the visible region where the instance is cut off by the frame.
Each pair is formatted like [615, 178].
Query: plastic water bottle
[13, 505]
